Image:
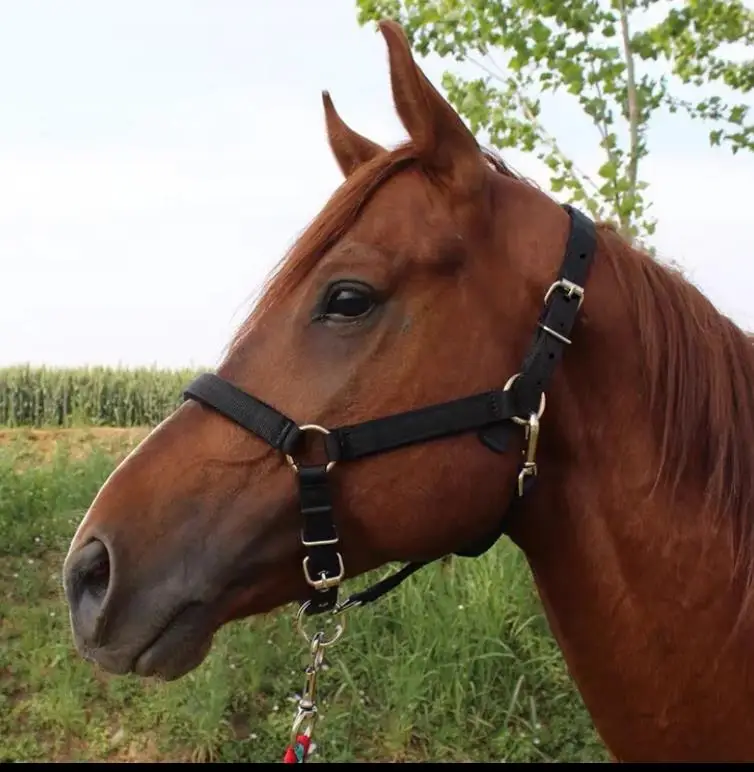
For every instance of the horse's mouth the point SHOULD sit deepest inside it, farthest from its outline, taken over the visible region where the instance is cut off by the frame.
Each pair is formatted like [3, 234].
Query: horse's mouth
[180, 646]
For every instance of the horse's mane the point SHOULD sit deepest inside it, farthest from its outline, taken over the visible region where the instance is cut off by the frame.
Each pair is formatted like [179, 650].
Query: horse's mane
[699, 370]
[698, 365]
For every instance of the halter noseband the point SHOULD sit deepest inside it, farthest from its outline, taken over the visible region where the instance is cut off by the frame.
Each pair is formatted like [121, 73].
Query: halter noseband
[492, 414]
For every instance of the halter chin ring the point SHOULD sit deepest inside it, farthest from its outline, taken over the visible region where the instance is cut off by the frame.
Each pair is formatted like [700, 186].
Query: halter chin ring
[302, 430]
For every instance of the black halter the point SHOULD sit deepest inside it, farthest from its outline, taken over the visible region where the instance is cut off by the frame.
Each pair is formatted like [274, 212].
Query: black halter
[493, 415]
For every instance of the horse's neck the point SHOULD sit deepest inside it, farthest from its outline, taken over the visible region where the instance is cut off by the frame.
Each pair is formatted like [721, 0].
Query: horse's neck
[639, 592]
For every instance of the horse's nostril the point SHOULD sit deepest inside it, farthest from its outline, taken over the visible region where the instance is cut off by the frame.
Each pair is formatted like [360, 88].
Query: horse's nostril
[98, 578]
[88, 573]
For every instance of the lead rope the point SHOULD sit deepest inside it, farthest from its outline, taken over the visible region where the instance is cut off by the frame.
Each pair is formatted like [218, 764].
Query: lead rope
[307, 711]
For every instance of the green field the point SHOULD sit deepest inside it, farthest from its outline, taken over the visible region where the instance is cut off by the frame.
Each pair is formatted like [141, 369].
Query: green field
[456, 665]
[89, 396]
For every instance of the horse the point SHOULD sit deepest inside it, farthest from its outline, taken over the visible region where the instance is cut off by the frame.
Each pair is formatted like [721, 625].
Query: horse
[444, 356]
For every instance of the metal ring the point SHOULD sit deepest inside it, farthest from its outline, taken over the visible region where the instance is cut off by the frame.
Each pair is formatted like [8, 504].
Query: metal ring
[310, 428]
[323, 642]
[542, 403]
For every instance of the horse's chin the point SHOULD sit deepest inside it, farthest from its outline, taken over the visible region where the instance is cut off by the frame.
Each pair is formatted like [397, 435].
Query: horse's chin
[179, 648]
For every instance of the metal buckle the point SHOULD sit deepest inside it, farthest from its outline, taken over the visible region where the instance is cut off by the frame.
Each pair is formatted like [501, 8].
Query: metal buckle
[570, 288]
[542, 403]
[302, 430]
[325, 582]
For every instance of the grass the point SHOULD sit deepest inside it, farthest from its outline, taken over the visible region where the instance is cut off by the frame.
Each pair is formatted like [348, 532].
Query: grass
[457, 665]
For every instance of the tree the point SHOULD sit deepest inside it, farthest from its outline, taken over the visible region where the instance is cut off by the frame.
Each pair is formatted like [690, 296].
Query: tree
[621, 60]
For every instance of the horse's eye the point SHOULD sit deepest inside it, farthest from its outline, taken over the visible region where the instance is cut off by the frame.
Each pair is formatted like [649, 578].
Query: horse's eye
[349, 301]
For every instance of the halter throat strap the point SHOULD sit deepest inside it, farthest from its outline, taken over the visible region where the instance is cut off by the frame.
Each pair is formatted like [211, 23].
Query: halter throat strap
[494, 415]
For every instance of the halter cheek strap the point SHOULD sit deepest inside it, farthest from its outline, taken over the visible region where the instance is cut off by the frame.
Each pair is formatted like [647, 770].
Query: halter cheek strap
[493, 415]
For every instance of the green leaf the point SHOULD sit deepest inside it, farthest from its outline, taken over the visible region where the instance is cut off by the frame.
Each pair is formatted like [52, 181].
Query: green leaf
[528, 49]
[608, 170]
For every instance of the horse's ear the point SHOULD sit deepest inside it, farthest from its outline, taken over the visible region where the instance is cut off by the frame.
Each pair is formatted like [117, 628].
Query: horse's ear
[349, 147]
[444, 143]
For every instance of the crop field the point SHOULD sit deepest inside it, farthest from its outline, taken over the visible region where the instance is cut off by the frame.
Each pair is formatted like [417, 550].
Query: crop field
[91, 396]
[456, 665]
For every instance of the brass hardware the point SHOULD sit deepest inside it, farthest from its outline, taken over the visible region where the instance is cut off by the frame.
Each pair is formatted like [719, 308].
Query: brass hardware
[529, 468]
[570, 288]
[542, 403]
[310, 428]
[556, 335]
[324, 582]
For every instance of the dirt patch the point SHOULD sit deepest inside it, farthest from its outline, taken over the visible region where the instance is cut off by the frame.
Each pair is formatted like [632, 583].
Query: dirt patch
[42, 444]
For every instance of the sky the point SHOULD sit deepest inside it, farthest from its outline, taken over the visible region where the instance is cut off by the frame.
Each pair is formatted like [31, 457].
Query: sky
[158, 158]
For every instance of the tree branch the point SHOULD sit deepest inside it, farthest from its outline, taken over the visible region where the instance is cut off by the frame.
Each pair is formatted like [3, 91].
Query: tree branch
[632, 97]
[546, 136]
[601, 123]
